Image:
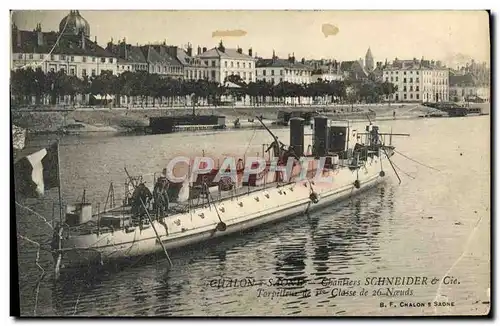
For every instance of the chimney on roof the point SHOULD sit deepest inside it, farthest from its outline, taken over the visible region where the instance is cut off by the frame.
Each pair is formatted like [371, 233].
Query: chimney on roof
[250, 52]
[39, 34]
[95, 39]
[204, 49]
[303, 61]
[221, 47]
[293, 57]
[239, 50]
[199, 50]
[189, 50]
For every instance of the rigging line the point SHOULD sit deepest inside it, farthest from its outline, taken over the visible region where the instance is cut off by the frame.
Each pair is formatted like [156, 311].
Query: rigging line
[407, 174]
[37, 288]
[413, 160]
[250, 141]
[37, 214]
[53, 47]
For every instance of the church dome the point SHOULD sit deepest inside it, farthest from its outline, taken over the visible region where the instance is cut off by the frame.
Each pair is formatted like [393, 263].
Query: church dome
[74, 24]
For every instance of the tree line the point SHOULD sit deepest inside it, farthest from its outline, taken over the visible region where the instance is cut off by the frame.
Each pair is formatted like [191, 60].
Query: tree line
[30, 87]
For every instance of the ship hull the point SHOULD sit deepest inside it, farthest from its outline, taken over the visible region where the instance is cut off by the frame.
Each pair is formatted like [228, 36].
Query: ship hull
[239, 213]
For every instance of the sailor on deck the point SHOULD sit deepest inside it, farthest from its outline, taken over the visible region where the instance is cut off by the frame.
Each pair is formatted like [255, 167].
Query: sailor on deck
[160, 195]
[140, 200]
[277, 147]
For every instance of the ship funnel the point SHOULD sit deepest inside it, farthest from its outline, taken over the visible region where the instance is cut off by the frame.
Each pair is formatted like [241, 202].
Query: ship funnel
[337, 139]
[297, 135]
[320, 139]
[78, 214]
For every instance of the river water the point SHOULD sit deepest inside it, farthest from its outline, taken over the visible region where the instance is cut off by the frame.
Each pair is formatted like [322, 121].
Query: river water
[436, 223]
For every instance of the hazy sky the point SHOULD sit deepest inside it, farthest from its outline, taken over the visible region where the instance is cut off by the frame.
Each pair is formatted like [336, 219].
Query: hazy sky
[440, 35]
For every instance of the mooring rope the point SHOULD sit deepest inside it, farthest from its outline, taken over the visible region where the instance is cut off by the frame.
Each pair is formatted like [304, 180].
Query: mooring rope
[35, 213]
[413, 160]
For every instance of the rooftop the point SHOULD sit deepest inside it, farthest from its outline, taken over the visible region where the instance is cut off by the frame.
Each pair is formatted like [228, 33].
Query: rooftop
[281, 63]
[227, 53]
[29, 42]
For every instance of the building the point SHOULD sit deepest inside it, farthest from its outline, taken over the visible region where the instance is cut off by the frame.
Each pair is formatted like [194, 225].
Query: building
[353, 70]
[69, 50]
[464, 88]
[194, 68]
[129, 57]
[369, 61]
[276, 70]
[222, 62]
[418, 80]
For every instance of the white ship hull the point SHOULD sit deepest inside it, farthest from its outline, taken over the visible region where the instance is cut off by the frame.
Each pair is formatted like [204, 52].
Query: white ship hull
[238, 213]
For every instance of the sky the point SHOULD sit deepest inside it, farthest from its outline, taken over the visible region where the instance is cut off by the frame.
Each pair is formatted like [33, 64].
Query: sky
[451, 36]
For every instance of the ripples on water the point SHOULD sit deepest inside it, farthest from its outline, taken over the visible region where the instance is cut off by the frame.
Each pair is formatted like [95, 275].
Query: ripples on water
[419, 227]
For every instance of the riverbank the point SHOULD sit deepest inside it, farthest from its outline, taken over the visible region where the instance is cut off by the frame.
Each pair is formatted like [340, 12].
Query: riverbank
[128, 119]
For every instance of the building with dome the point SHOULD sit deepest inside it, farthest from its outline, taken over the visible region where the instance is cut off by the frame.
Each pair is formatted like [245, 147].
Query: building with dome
[70, 49]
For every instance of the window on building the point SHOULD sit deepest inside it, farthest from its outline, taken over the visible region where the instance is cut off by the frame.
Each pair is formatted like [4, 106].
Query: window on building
[387, 79]
[42, 56]
[417, 72]
[244, 65]
[417, 88]
[405, 72]
[264, 72]
[84, 72]
[72, 59]
[110, 60]
[244, 75]
[404, 95]
[52, 57]
[272, 72]
[250, 76]
[225, 64]
[62, 57]
[417, 80]
[404, 80]
[396, 78]
[264, 80]
[417, 95]
[63, 70]
[213, 63]
[272, 80]
[213, 74]
[103, 60]
[411, 96]
[72, 71]
[281, 72]
[404, 88]
[232, 64]
[20, 56]
[93, 72]
[249, 65]
[411, 88]
[30, 56]
[93, 59]
[206, 62]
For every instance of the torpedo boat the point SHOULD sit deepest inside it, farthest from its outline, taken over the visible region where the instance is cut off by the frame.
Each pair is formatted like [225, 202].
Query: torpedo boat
[342, 163]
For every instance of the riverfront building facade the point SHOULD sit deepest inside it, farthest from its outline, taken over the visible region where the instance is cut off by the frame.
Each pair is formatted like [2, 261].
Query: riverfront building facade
[418, 81]
[276, 70]
[222, 62]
